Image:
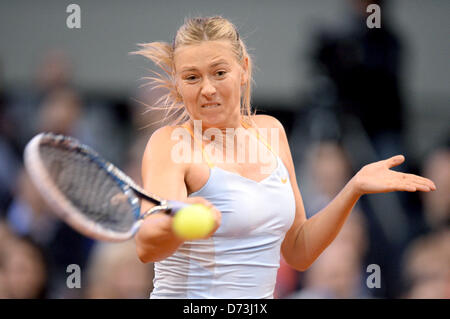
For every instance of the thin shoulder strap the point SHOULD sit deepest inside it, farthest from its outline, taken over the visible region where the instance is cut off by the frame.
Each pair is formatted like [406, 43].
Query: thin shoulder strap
[208, 161]
[258, 136]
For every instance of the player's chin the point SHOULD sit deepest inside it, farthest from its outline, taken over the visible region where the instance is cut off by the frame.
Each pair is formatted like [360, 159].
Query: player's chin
[212, 120]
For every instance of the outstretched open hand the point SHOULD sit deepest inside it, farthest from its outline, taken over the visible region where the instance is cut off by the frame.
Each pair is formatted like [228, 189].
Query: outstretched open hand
[377, 177]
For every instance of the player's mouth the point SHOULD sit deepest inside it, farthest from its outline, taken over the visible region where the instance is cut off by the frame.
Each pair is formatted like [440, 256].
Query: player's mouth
[210, 105]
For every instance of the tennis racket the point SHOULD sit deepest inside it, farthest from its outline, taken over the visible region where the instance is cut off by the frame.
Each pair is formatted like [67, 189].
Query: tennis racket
[87, 192]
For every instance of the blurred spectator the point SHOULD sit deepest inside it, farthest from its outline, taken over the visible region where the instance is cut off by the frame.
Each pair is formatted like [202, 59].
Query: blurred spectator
[9, 167]
[339, 270]
[4, 294]
[287, 280]
[24, 269]
[362, 68]
[354, 233]
[5, 236]
[114, 271]
[54, 72]
[60, 112]
[328, 170]
[337, 273]
[357, 97]
[29, 215]
[5, 233]
[437, 203]
[9, 149]
[426, 266]
[426, 261]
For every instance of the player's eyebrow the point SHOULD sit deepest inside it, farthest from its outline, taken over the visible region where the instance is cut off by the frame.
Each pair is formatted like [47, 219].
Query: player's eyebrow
[221, 61]
[212, 65]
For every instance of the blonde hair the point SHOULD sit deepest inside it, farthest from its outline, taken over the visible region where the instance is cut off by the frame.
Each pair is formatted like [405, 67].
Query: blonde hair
[193, 31]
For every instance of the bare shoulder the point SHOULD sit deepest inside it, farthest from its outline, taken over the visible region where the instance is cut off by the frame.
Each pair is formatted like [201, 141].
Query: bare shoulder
[164, 137]
[267, 121]
[270, 122]
[159, 165]
[162, 134]
[160, 145]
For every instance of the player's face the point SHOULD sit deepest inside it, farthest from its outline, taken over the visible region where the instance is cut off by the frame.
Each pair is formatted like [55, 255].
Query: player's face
[209, 79]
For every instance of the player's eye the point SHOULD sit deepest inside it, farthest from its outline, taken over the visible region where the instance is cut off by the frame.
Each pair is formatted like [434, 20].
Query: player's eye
[221, 73]
[191, 78]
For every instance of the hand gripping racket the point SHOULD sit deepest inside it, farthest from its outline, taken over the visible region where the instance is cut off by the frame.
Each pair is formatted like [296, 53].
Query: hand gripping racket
[87, 192]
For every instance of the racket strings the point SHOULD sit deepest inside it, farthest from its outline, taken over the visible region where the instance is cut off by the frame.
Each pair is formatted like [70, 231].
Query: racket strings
[88, 187]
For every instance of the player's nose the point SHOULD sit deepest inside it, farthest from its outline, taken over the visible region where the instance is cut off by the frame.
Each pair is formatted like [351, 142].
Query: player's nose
[208, 89]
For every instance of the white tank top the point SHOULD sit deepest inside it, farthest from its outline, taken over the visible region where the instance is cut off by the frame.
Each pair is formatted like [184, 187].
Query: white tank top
[242, 258]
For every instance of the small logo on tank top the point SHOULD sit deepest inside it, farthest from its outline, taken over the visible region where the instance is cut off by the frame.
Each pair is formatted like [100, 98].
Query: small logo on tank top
[283, 180]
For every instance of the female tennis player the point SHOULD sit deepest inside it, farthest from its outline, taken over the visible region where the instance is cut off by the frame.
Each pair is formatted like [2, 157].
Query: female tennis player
[256, 200]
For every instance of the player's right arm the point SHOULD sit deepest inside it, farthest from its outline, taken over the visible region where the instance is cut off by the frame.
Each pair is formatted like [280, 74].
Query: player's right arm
[155, 239]
[164, 176]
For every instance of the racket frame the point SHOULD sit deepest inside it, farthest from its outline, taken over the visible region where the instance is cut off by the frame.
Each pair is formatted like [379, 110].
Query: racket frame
[64, 208]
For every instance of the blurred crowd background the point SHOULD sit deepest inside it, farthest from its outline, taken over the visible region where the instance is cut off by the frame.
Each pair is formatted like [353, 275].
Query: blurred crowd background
[347, 95]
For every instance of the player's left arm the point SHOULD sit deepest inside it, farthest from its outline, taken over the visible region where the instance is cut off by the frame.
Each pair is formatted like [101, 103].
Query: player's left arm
[308, 238]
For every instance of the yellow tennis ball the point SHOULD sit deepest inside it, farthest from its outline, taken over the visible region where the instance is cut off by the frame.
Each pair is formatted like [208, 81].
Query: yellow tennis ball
[193, 222]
